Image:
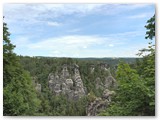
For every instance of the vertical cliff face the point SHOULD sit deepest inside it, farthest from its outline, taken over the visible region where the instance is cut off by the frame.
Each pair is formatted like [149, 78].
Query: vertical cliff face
[108, 82]
[99, 104]
[67, 84]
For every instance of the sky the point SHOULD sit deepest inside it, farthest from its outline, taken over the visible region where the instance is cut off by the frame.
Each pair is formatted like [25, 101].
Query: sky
[78, 30]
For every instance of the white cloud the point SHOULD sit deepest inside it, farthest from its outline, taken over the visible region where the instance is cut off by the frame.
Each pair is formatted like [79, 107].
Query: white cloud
[84, 45]
[138, 16]
[126, 34]
[26, 17]
[21, 41]
[23, 18]
[35, 13]
[72, 46]
[56, 52]
[74, 30]
[41, 12]
[53, 23]
[142, 15]
[111, 45]
[136, 6]
[68, 42]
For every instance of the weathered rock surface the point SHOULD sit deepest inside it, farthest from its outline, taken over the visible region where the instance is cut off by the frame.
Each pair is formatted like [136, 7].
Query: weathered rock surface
[69, 83]
[99, 104]
[99, 84]
[92, 68]
[64, 83]
[108, 82]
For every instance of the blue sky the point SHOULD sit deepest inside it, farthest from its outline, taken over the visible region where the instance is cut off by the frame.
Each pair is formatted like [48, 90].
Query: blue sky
[78, 30]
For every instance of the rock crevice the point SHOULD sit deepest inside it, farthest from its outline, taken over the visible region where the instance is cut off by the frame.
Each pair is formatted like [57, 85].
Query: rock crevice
[67, 84]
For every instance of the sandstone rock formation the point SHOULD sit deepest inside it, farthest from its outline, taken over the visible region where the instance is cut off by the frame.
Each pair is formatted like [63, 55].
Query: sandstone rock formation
[64, 83]
[108, 82]
[99, 84]
[92, 68]
[69, 83]
[99, 104]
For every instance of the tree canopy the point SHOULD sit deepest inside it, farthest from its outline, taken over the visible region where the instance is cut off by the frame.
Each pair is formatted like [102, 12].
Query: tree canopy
[19, 95]
[136, 87]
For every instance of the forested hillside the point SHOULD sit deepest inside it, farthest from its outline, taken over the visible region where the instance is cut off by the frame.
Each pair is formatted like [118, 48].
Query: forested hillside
[79, 86]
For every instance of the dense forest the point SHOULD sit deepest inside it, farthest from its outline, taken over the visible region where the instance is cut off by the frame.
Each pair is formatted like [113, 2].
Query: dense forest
[51, 86]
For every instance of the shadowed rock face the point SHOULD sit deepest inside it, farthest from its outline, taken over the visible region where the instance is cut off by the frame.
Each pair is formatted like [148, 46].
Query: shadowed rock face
[72, 86]
[69, 83]
[99, 84]
[110, 82]
[99, 104]
[63, 83]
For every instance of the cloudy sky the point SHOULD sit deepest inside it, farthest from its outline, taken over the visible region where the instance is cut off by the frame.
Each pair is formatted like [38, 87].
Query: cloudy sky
[78, 30]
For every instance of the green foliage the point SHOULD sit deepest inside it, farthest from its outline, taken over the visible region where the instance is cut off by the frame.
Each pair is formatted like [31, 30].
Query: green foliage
[147, 66]
[61, 106]
[136, 90]
[19, 96]
[91, 97]
[7, 46]
[132, 98]
[40, 67]
[9, 58]
[150, 34]
[128, 91]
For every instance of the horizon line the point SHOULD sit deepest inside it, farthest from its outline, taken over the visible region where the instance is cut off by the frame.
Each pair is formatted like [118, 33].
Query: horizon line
[79, 57]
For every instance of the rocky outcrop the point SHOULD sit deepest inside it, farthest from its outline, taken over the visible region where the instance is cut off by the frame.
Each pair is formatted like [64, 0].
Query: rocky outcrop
[99, 84]
[92, 68]
[67, 84]
[103, 66]
[104, 83]
[110, 82]
[79, 89]
[99, 104]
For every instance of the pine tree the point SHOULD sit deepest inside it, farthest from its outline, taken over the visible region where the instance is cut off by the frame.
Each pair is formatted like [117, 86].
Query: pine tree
[19, 96]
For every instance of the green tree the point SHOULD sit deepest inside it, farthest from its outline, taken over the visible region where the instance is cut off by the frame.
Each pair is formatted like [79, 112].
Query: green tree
[136, 87]
[19, 95]
[150, 34]
[9, 58]
[130, 98]
[147, 66]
